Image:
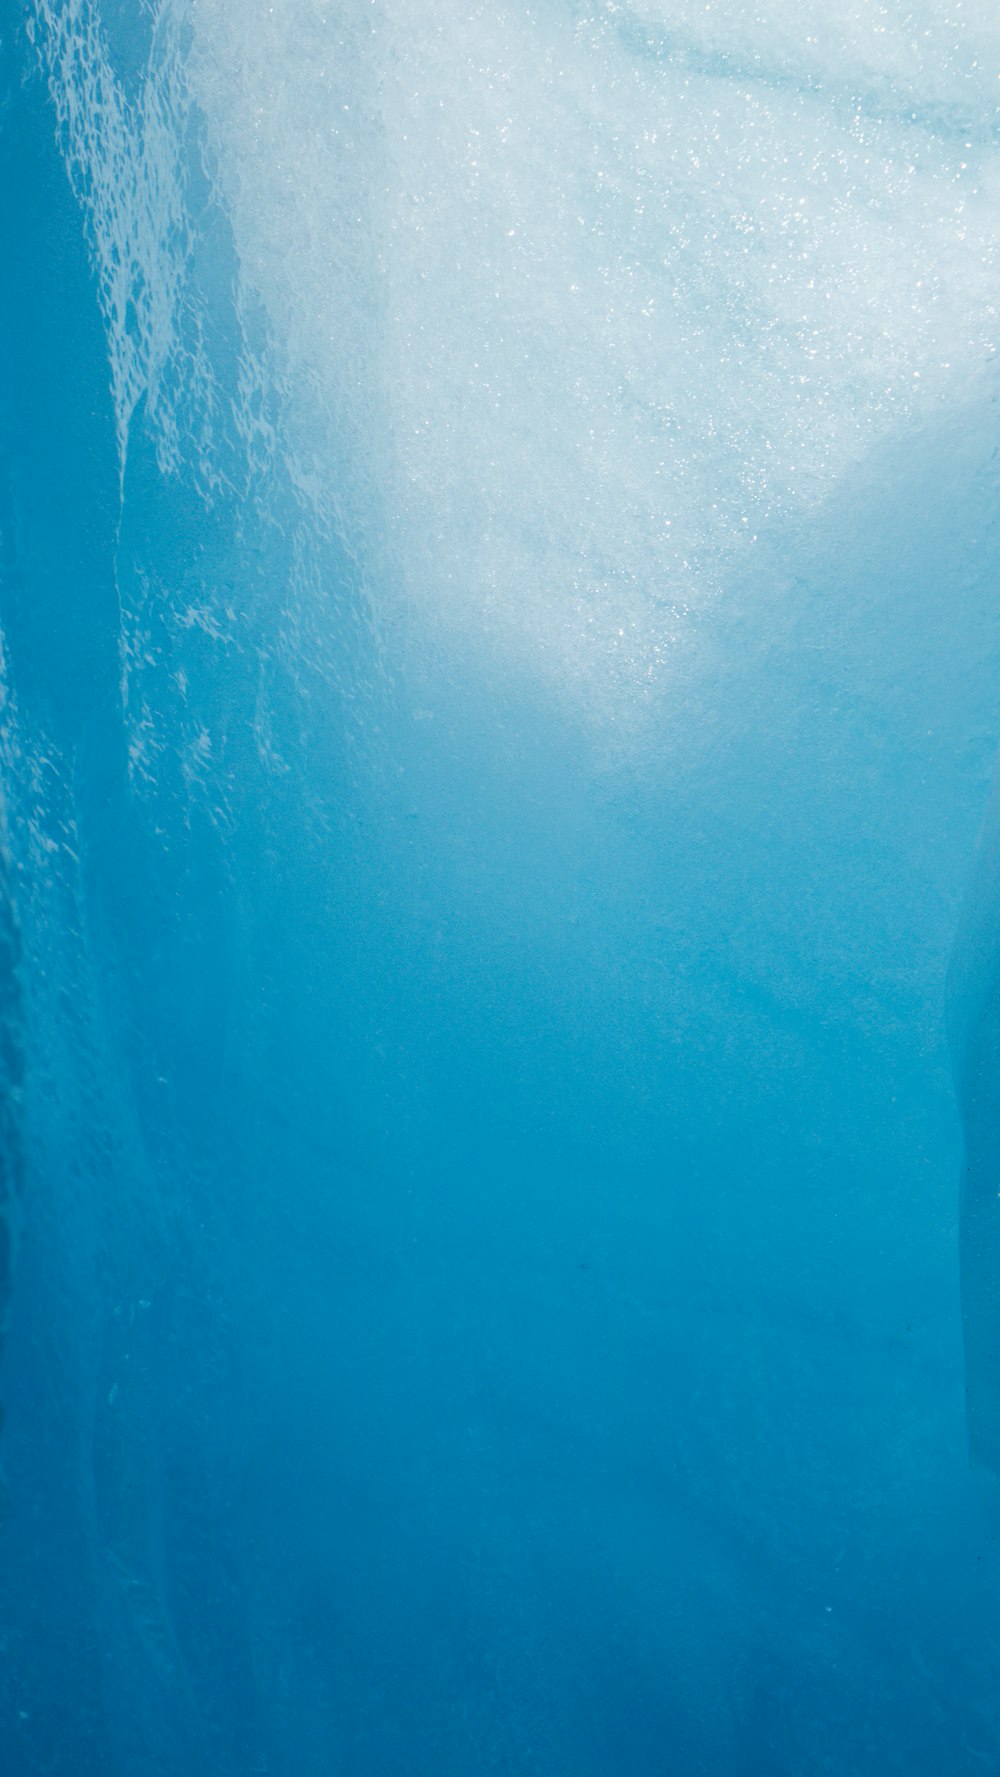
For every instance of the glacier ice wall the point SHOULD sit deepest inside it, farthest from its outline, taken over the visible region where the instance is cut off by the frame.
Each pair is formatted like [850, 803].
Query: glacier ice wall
[497, 591]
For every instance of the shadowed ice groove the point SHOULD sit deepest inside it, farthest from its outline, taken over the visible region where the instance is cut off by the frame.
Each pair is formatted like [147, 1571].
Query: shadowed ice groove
[975, 1012]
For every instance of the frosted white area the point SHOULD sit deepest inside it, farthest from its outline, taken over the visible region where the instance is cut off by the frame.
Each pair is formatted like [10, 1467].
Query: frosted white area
[591, 294]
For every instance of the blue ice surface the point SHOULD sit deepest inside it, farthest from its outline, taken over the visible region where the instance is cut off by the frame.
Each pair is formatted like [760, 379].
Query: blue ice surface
[482, 1209]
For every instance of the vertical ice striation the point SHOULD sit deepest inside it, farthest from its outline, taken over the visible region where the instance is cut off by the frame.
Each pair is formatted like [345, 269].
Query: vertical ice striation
[11, 1071]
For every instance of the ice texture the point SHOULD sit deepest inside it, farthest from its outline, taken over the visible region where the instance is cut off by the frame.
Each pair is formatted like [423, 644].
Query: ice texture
[499, 889]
